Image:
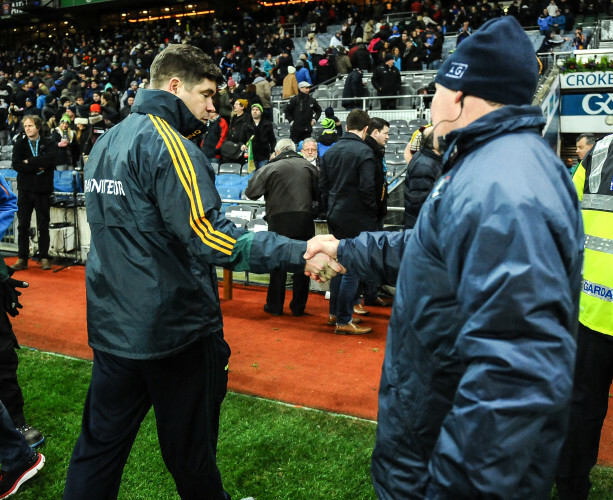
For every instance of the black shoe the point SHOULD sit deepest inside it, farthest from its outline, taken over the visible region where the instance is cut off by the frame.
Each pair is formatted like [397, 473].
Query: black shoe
[32, 434]
[10, 481]
[269, 311]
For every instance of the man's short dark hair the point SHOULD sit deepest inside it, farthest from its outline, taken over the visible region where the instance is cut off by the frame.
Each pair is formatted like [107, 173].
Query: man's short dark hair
[590, 139]
[377, 124]
[357, 119]
[186, 62]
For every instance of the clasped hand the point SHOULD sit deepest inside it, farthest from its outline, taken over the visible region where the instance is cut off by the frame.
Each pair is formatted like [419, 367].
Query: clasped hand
[321, 258]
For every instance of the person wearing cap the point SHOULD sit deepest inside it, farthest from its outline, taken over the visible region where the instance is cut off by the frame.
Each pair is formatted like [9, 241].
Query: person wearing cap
[30, 108]
[386, 80]
[68, 151]
[264, 139]
[290, 83]
[131, 91]
[478, 370]
[328, 136]
[302, 111]
[96, 121]
[359, 56]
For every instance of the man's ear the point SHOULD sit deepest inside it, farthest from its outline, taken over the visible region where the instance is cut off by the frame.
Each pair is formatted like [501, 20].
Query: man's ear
[173, 85]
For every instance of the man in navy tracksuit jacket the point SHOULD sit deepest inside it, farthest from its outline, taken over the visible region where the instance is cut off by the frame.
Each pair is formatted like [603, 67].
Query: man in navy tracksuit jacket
[476, 382]
[153, 314]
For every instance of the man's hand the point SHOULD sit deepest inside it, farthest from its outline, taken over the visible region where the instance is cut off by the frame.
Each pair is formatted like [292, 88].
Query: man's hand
[10, 295]
[322, 268]
[325, 243]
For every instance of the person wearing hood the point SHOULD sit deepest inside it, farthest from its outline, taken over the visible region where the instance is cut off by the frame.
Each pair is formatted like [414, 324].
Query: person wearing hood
[478, 371]
[302, 73]
[290, 83]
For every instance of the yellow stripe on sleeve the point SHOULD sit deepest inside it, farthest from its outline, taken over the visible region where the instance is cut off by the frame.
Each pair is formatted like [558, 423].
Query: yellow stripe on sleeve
[198, 223]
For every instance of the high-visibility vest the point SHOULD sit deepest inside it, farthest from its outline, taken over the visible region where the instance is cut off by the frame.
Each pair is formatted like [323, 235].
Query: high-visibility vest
[594, 182]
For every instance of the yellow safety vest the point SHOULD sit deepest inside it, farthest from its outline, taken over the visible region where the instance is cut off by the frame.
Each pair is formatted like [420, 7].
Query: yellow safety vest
[594, 182]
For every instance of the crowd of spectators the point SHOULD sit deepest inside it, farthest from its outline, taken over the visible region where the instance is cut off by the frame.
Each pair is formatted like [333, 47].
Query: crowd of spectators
[92, 78]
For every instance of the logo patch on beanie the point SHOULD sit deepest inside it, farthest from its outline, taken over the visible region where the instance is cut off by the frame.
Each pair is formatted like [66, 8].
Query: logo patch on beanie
[457, 70]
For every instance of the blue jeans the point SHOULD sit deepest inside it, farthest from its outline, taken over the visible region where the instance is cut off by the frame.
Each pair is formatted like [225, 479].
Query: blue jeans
[343, 295]
[14, 450]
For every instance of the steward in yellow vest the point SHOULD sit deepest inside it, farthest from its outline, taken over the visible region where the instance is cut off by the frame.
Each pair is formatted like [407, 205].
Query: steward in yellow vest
[594, 366]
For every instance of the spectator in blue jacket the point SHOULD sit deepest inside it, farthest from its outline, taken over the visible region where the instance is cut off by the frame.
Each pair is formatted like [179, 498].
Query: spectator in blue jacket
[302, 73]
[544, 22]
[477, 377]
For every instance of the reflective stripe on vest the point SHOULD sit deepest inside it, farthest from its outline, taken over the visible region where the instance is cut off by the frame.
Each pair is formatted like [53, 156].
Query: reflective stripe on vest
[597, 202]
[599, 156]
[598, 244]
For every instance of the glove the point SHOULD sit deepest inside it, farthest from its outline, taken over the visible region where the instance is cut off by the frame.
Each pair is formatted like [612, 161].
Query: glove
[10, 295]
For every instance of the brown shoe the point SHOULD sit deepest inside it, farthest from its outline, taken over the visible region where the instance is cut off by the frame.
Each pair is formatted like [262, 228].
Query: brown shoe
[351, 329]
[45, 265]
[360, 311]
[332, 320]
[381, 302]
[20, 265]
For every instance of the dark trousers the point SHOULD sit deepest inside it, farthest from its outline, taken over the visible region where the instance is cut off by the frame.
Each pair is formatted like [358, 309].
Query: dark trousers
[388, 103]
[276, 292]
[27, 202]
[14, 450]
[299, 134]
[593, 377]
[10, 391]
[299, 226]
[186, 391]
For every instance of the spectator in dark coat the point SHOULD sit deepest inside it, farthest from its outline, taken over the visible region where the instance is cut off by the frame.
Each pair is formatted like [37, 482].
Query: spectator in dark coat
[386, 79]
[264, 139]
[303, 111]
[241, 126]
[354, 87]
[359, 56]
[423, 171]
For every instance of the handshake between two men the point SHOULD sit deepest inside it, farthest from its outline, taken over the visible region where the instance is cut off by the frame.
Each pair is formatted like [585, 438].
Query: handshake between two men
[320, 255]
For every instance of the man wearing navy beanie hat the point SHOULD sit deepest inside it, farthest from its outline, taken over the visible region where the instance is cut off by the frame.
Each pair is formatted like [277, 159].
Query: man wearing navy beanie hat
[477, 377]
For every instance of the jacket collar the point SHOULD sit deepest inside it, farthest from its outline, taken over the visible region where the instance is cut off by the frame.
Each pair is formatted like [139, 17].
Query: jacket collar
[375, 146]
[168, 107]
[284, 155]
[499, 122]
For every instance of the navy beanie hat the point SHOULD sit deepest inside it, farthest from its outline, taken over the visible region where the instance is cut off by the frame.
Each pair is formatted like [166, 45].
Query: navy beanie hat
[497, 63]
